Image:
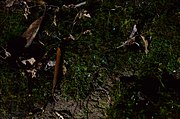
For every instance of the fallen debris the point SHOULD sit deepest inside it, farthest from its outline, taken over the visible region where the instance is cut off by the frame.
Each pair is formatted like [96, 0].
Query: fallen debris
[137, 41]
[9, 3]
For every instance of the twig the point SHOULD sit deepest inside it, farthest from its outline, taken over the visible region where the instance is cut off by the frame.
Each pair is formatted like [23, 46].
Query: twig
[80, 4]
[56, 72]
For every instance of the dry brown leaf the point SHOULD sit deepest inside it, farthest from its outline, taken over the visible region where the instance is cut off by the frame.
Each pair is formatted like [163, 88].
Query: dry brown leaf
[32, 30]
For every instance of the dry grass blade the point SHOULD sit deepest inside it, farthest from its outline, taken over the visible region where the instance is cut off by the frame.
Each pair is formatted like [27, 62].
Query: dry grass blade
[32, 30]
[80, 4]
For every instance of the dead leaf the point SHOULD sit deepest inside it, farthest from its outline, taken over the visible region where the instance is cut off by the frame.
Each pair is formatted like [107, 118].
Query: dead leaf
[9, 3]
[64, 70]
[59, 115]
[49, 65]
[31, 61]
[71, 37]
[87, 32]
[86, 14]
[32, 30]
[26, 10]
[127, 43]
[6, 53]
[32, 72]
[145, 44]
[55, 18]
[83, 14]
[26, 13]
[54, 21]
[133, 31]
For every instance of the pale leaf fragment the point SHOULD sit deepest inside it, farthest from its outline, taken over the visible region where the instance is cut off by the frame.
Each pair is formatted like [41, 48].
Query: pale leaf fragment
[26, 10]
[32, 72]
[64, 70]
[32, 30]
[87, 32]
[9, 3]
[54, 21]
[80, 4]
[59, 115]
[31, 61]
[145, 44]
[86, 14]
[49, 65]
[133, 31]
[71, 37]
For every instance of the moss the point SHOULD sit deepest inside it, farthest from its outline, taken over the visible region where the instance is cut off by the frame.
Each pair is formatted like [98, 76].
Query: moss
[93, 60]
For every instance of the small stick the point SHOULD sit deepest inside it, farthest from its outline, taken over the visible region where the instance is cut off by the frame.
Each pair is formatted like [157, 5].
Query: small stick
[56, 71]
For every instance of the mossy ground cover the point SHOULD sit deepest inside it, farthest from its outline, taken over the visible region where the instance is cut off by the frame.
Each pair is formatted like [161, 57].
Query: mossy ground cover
[139, 87]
